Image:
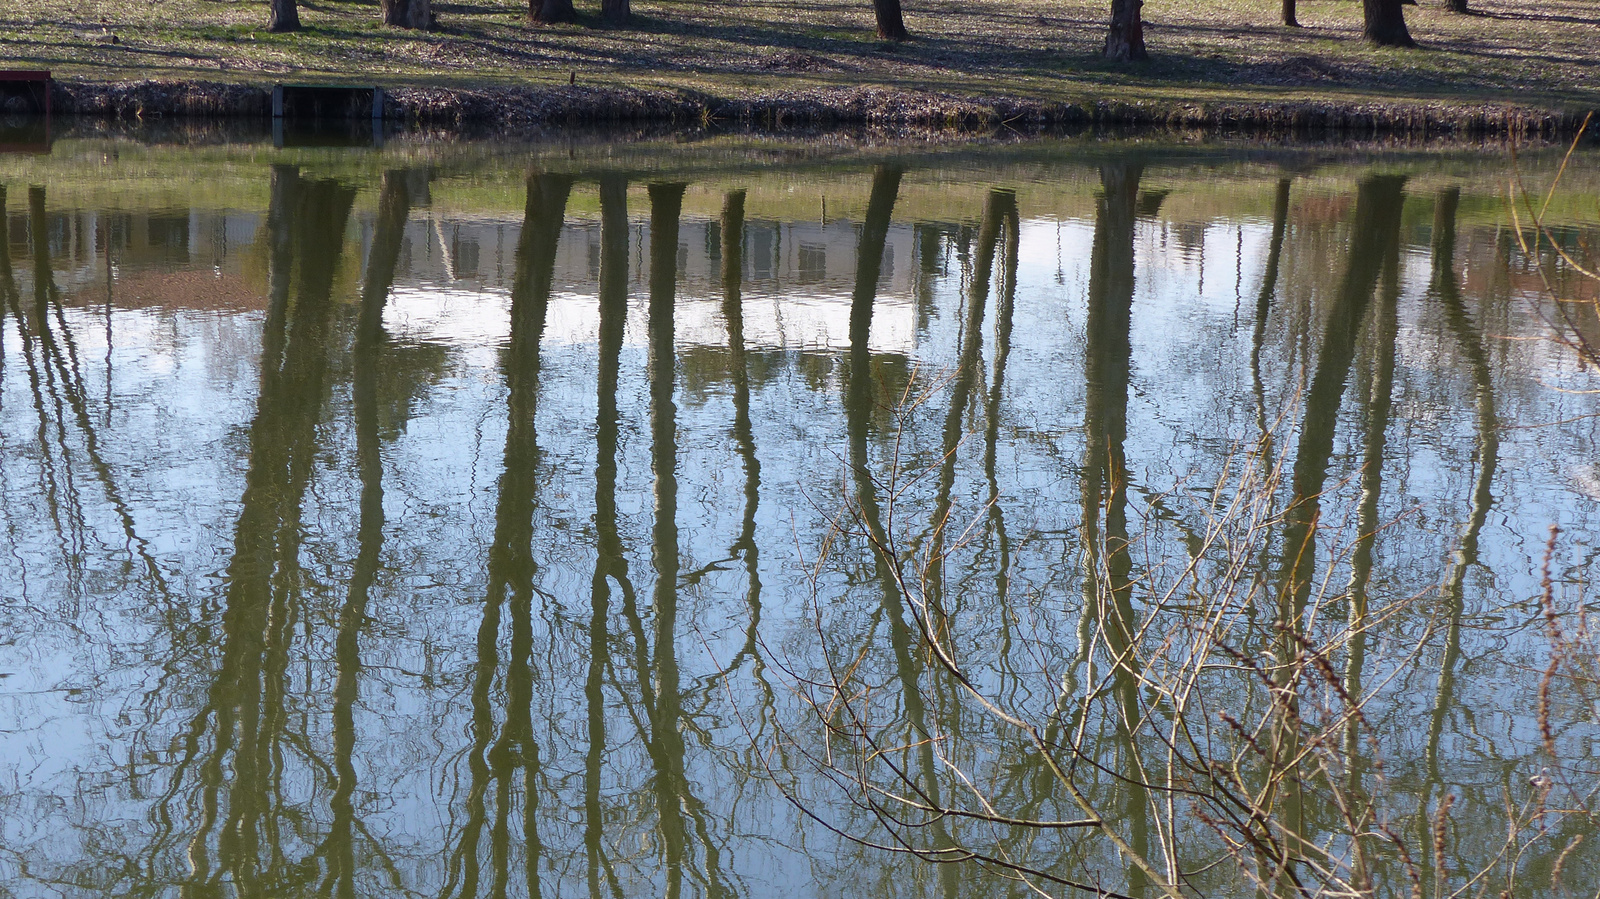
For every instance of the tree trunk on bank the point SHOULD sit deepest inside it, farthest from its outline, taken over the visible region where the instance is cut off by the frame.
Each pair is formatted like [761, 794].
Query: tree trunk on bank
[1459, 6]
[616, 12]
[416, 14]
[551, 12]
[1125, 39]
[891, 24]
[1288, 14]
[1384, 24]
[283, 15]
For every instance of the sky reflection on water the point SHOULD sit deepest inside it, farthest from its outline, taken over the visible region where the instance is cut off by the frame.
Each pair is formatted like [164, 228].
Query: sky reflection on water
[448, 528]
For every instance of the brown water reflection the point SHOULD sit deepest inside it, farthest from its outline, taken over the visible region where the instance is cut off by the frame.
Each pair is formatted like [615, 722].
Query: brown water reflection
[643, 523]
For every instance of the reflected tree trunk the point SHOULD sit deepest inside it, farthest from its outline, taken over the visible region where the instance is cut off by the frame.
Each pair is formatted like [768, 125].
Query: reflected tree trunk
[666, 741]
[1108, 584]
[928, 239]
[610, 563]
[1269, 287]
[1378, 402]
[339, 846]
[859, 402]
[11, 299]
[869, 265]
[1264, 299]
[8, 279]
[47, 379]
[859, 392]
[674, 802]
[253, 554]
[996, 208]
[56, 374]
[262, 599]
[55, 386]
[732, 251]
[394, 203]
[1005, 302]
[732, 226]
[511, 564]
[284, 191]
[1375, 236]
[59, 354]
[1469, 337]
[44, 276]
[103, 240]
[530, 303]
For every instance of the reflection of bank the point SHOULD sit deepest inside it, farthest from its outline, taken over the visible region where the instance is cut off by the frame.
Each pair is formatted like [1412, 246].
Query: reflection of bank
[797, 282]
[822, 257]
[453, 278]
[25, 111]
[468, 318]
[171, 258]
[25, 134]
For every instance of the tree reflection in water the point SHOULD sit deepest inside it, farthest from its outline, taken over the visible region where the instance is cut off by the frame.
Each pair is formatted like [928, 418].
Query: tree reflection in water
[247, 711]
[496, 762]
[421, 668]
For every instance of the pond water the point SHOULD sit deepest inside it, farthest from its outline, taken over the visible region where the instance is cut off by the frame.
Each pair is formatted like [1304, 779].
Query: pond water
[755, 517]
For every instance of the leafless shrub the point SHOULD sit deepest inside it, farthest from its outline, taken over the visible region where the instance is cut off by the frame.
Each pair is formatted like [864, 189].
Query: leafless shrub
[1187, 735]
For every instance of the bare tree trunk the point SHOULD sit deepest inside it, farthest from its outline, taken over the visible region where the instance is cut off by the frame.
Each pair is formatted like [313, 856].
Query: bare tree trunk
[891, 25]
[283, 15]
[416, 14]
[1384, 24]
[1125, 38]
[1288, 14]
[616, 12]
[421, 14]
[1459, 6]
[550, 12]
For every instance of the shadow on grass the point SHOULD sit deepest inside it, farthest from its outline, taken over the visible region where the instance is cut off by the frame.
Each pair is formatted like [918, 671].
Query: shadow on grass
[1535, 17]
[958, 48]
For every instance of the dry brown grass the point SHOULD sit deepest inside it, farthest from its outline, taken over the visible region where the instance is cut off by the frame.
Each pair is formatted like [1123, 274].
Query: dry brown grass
[1223, 51]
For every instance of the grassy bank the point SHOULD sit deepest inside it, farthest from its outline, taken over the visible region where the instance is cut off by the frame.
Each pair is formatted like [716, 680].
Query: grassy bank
[1212, 63]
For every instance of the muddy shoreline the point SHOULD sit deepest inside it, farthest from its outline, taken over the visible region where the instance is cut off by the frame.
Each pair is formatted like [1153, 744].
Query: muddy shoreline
[521, 107]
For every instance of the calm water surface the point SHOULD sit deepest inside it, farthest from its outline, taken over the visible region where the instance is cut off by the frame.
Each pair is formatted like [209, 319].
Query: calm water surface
[458, 521]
